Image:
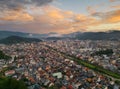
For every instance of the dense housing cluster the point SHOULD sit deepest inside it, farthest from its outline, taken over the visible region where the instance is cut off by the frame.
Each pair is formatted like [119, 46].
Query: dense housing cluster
[41, 67]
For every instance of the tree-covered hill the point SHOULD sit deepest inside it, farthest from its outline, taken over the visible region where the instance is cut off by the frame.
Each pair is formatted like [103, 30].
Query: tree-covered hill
[18, 39]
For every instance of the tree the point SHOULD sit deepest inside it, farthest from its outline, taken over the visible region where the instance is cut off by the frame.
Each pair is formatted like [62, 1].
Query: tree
[3, 56]
[10, 83]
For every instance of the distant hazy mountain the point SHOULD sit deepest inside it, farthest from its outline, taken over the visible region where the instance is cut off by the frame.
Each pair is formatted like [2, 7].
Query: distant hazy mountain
[4, 34]
[72, 35]
[18, 39]
[110, 35]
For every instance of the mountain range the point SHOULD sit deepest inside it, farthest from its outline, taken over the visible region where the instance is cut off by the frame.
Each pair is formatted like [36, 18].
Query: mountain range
[4, 34]
[109, 35]
[18, 39]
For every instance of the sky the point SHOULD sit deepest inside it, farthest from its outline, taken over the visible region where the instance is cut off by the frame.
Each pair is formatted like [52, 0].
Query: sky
[60, 16]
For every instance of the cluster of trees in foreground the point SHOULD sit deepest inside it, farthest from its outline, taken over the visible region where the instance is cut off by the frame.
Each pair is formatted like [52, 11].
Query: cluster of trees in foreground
[4, 56]
[10, 83]
[7, 82]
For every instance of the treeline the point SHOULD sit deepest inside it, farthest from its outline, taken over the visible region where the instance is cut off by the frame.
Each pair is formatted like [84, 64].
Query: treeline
[10, 83]
[4, 56]
[18, 39]
[95, 67]
[89, 65]
[103, 52]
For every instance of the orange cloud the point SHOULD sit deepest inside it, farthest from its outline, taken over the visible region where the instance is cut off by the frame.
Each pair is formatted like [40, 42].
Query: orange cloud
[91, 10]
[55, 15]
[107, 21]
[52, 19]
[67, 20]
[110, 17]
[113, 19]
[113, 0]
[16, 15]
[116, 6]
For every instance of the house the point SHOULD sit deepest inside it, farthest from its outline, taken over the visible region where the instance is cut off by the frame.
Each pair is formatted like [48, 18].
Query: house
[9, 73]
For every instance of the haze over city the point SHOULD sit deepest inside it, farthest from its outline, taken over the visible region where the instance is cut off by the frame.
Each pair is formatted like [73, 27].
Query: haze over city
[61, 16]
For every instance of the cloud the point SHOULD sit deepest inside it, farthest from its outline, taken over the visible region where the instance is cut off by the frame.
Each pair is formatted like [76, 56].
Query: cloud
[116, 6]
[46, 19]
[16, 16]
[91, 9]
[56, 12]
[16, 10]
[106, 21]
[109, 17]
[13, 4]
[113, 0]
[37, 16]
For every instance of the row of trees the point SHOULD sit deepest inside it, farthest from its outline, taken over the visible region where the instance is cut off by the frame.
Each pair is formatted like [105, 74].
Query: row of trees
[4, 56]
[102, 52]
[92, 66]
[10, 83]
